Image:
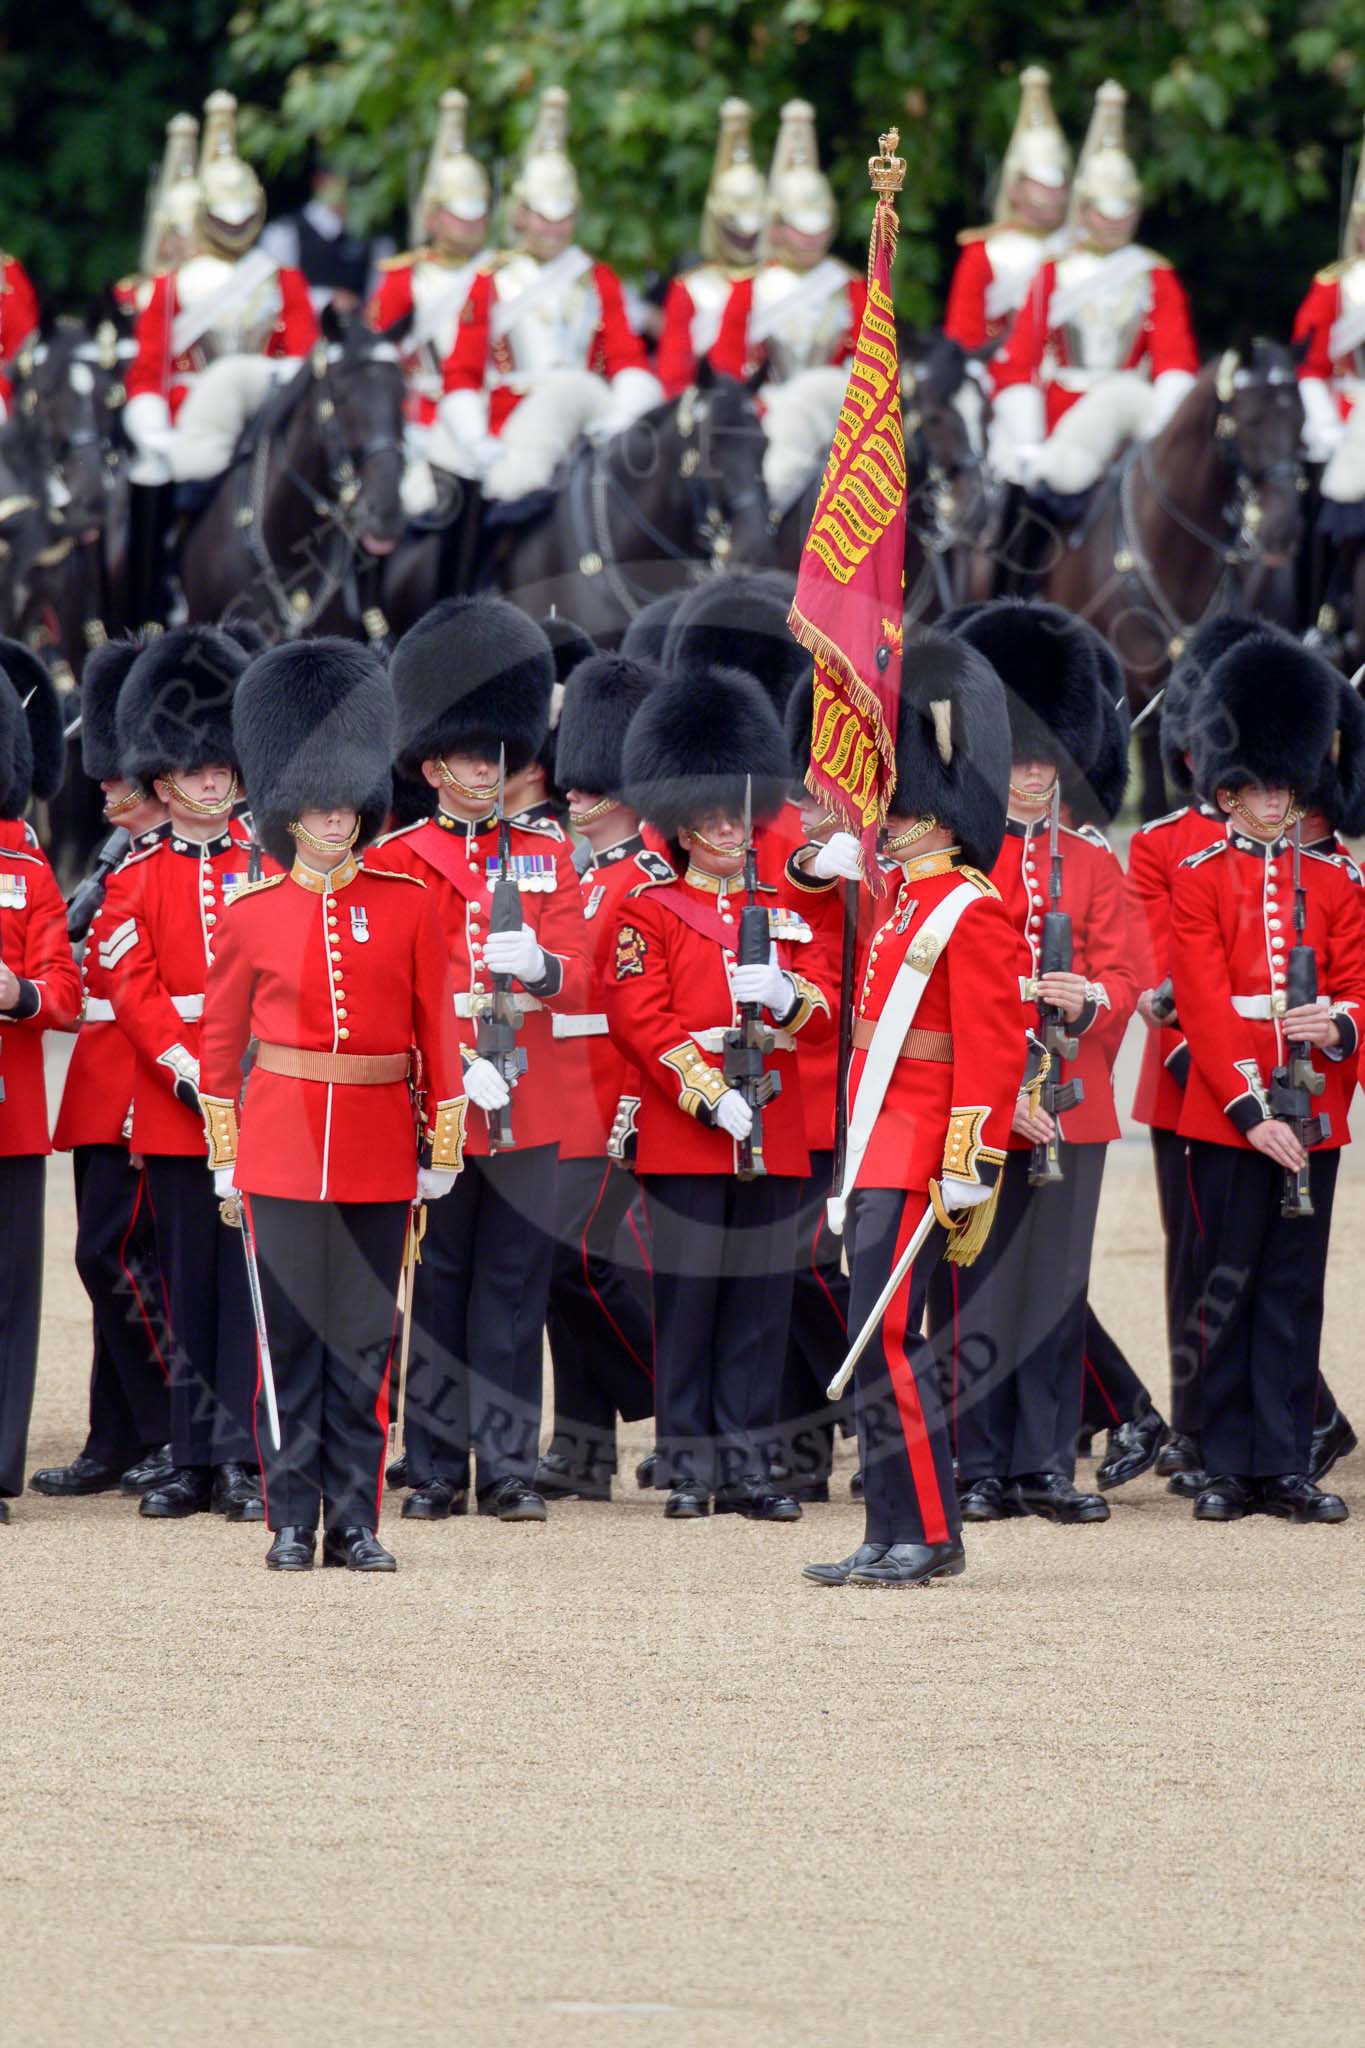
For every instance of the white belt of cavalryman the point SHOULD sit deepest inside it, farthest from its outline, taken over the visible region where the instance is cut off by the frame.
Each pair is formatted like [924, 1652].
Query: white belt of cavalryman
[98, 1010]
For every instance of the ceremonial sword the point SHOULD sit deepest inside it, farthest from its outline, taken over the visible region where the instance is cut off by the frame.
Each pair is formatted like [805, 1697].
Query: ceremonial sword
[882, 1303]
[235, 1211]
[417, 1230]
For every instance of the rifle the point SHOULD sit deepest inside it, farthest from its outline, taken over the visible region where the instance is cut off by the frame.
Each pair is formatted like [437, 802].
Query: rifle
[1294, 1084]
[1163, 1002]
[747, 1044]
[1055, 957]
[499, 1018]
[88, 897]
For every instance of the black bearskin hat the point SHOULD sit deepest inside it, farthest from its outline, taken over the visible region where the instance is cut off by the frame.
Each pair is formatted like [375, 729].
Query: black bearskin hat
[644, 637]
[568, 643]
[473, 674]
[600, 699]
[796, 723]
[106, 670]
[1099, 799]
[953, 744]
[1267, 713]
[36, 692]
[1055, 679]
[1341, 791]
[739, 621]
[693, 743]
[16, 756]
[175, 708]
[1177, 713]
[314, 723]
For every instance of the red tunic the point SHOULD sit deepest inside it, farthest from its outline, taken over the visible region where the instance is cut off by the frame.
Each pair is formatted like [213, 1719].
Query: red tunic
[734, 355]
[34, 946]
[1313, 332]
[965, 318]
[353, 965]
[454, 859]
[1153, 857]
[477, 358]
[670, 990]
[1035, 349]
[947, 1115]
[153, 942]
[154, 368]
[592, 1071]
[1231, 931]
[1092, 894]
[97, 1097]
[18, 318]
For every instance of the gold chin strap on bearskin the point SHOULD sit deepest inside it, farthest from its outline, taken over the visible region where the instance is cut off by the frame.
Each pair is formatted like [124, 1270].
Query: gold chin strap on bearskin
[472, 794]
[911, 837]
[1252, 825]
[198, 810]
[303, 837]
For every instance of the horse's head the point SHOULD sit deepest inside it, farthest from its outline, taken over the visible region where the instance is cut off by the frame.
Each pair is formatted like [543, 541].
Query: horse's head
[356, 406]
[712, 441]
[65, 392]
[1259, 425]
[944, 411]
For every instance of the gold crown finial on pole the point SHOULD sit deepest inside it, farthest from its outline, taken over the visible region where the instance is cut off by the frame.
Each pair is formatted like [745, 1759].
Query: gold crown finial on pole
[886, 170]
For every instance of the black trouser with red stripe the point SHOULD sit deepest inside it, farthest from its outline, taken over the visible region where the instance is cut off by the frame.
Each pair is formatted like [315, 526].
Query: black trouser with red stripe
[1009, 1329]
[1111, 1392]
[476, 1370]
[329, 1282]
[212, 1338]
[1260, 1279]
[22, 1181]
[818, 1339]
[722, 1300]
[601, 1337]
[116, 1259]
[907, 1460]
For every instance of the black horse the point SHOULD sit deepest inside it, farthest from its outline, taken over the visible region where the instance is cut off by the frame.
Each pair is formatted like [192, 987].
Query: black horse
[295, 534]
[671, 499]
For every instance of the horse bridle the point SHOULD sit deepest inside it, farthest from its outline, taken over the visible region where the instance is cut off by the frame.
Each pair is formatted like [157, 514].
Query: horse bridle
[943, 535]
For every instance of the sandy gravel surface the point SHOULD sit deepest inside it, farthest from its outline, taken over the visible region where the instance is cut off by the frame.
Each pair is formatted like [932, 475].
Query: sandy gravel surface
[616, 1781]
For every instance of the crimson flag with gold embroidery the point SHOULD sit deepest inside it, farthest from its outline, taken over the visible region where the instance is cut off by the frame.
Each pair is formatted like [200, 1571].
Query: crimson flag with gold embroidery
[850, 592]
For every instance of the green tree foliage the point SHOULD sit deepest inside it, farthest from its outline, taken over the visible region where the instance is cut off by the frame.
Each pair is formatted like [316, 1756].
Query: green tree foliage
[1243, 114]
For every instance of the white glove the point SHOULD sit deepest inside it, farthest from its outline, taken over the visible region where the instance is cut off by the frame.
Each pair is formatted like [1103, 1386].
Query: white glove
[516, 953]
[224, 1183]
[765, 984]
[734, 1115]
[1017, 432]
[147, 423]
[431, 1185]
[485, 1087]
[962, 1194]
[633, 393]
[460, 441]
[1167, 392]
[1323, 425]
[840, 855]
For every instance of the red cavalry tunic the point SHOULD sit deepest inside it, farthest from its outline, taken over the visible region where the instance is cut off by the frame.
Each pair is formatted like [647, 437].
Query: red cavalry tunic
[1156, 852]
[735, 354]
[950, 1111]
[18, 318]
[1036, 350]
[480, 362]
[458, 863]
[153, 940]
[968, 319]
[668, 1001]
[35, 948]
[593, 1072]
[350, 963]
[1093, 896]
[1232, 912]
[156, 367]
[1313, 324]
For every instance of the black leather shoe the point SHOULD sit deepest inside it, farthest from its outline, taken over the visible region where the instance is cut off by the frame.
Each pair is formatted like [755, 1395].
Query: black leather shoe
[837, 1574]
[188, 1491]
[237, 1494]
[1178, 1454]
[396, 1474]
[1085, 1444]
[1132, 1450]
[292, 1550]
[512, 1500]
[1293, 1496]
[1336, 1439]
[757, 1503]
[360, 1550]
[645, 1471]
[912, 1564]
[434, 1501]
[558, 1479]
[1053, 1497]
[4, 1513]
[1188, 1485]
[153, 1470]
[986, 1500]
[855, 1485]
[83, 1475]
[1224, 1499]
[687, 1504]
